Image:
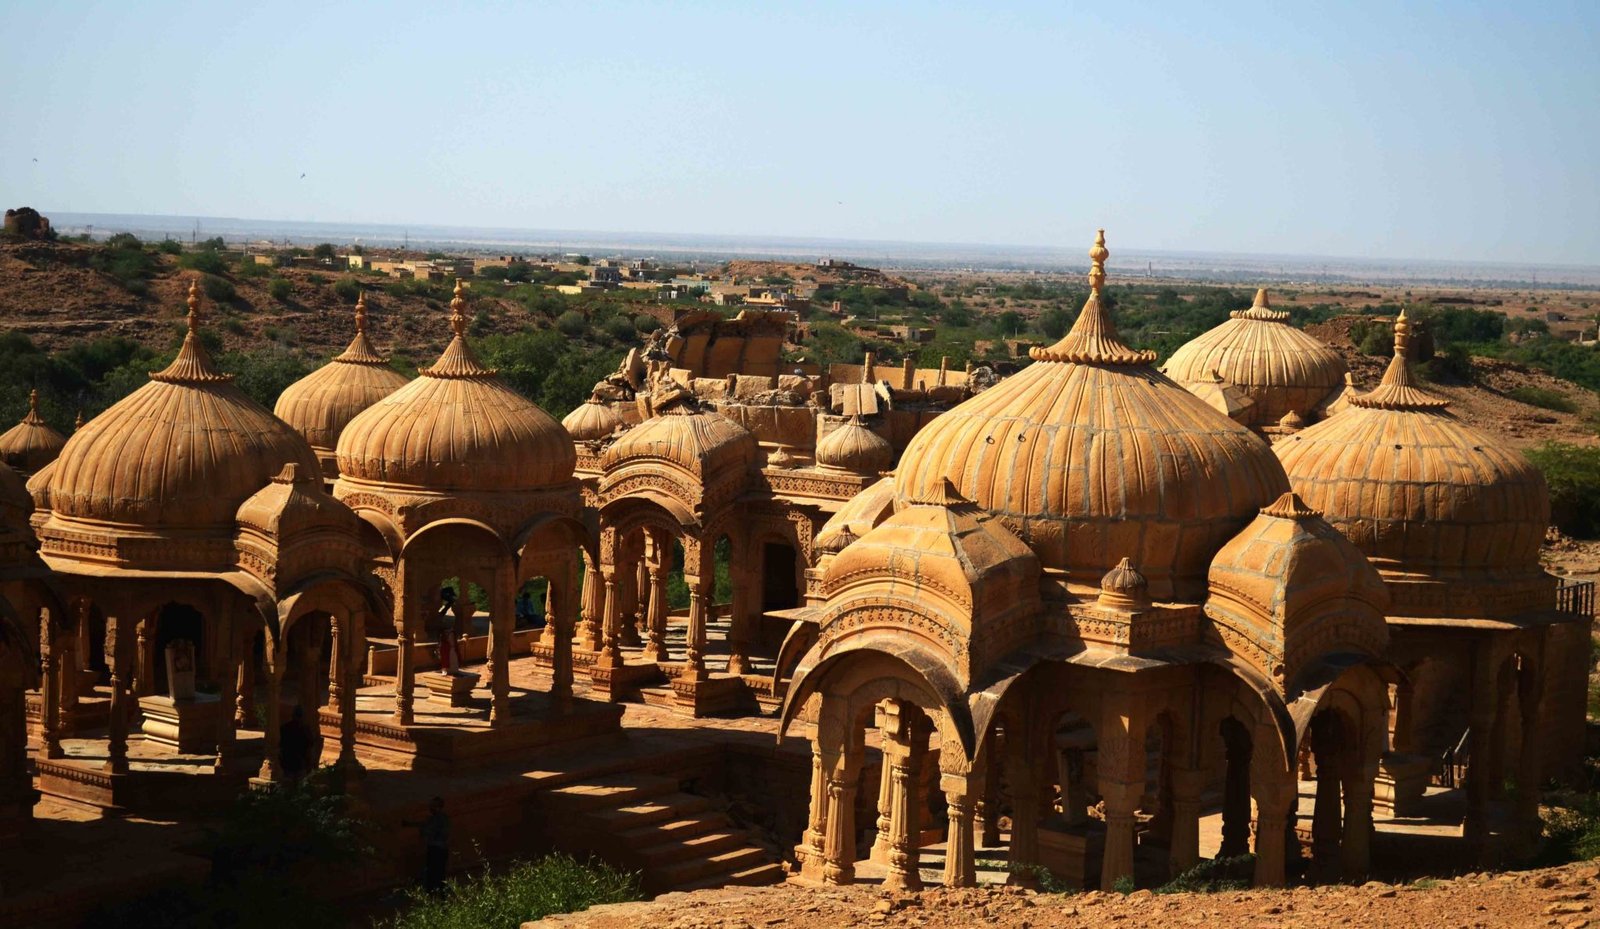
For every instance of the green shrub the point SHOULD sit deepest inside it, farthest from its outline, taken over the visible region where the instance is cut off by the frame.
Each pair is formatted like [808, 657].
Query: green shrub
[249, 268]
[279, 288]
[1573, 473]
[1213, 876]
[621, 329]
[169, 247]
[523, 892]
[234, 325]
[1453, 365]
[1572, 832]
[206, 260]
[125, 260]
[218, 289]
[646, 323]
[572, 323]
[1543, 398]
[347, 289]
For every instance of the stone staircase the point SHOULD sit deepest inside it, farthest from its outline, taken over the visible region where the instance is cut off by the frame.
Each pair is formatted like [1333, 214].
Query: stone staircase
[644, 823]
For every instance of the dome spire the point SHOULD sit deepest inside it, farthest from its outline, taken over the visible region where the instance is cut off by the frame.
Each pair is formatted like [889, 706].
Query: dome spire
[458, 359]
[1262, 309]
[360, 350]
[193, 364]
[32, 417]
[1399, 390]
[1093, 338]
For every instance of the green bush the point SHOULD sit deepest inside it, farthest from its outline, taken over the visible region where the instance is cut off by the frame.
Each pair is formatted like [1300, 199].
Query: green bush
[125, 260]
[169, 247]
[572, 323]
[1453, 365]
[347, 289]
[621, 329]
[1213, 876]
[218, 289]
[646, 324]
[1543, 398]
[279, 288]
[249, 268]
[523, 892]
[1573, 473]
[205, 260]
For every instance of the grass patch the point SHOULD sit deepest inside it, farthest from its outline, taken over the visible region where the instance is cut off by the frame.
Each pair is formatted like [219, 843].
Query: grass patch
[524, 891]
[1543, 398]
[1572, 831]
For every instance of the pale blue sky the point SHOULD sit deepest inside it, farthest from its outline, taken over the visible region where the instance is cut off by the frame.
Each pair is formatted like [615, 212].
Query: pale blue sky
[1443, 130]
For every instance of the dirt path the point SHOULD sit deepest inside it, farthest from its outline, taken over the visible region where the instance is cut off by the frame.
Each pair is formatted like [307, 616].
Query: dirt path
[1564, 897]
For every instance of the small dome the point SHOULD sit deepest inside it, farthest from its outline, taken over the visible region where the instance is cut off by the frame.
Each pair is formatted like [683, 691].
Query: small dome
[703, 442]
[321, 404]
[853, 447]
[31, 444]
[592, 421]
[1274, 364]
[456, 427]
[858, 516]
[1223, 397]
[1430, 499]
[1124, 587]
[183, 451]
[1090, 454]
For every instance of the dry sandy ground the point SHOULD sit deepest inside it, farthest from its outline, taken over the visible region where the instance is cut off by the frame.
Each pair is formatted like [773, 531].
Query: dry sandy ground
[1563, 897]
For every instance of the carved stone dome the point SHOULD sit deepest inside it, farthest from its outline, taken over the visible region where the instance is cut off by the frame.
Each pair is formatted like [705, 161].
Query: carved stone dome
[457, 427]
[1451, 518]
[31, 444]
[592, 421]
[1090, 455]
[703, 442]
[181, 452]
[1276, 365]
[855, 448]
[322, 403]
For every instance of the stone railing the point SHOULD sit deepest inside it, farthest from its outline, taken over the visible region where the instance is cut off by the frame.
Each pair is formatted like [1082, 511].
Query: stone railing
[1576, 599]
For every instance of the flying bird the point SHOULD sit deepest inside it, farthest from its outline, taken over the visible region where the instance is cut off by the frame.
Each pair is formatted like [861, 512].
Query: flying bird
[302, 175]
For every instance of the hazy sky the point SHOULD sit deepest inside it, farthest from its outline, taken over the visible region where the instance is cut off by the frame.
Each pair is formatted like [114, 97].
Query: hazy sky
[1439, 130]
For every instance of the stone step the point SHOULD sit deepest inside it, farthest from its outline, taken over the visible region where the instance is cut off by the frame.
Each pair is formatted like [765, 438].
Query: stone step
[704, 845]
[769, 873]
[675, 829]
[702, 868]
[655, 810]
[609, 792]
[658, 696]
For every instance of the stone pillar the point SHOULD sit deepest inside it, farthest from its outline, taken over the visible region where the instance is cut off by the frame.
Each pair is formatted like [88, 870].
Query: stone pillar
[1184, 850]
[562, 618]
[1530, 760]
[1074, 800]
[1481, 718]
[960, 865]
[656, 613]
[117, 661]
[739, 613]
[637, 581]
[880, 844]
[1236, 792]
[1122, 769]
[810, 854]
[1121, 804]
[1327, 825]
[694, 667]
[347, 669]
[986, 805]
[839, 844]
[1023, 777]
[1355, 854]
[244, 716]
[308, 659]
[593, 608]
[1404, 738]
[270, 771]
[336, 658]
[1274, 801]
[502, 619]
[610, 655]
[144, 667]
[227, 697]
[85, 647]
[905, 823]
[50, 685]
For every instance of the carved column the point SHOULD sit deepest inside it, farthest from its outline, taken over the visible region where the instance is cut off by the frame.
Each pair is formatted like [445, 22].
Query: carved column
[960, 865]
[1236, 790]
[636, 583]
[610, 650]
[227, 697]
[1023, 778]
[50, 685]
[986, 809]
[144, 671]
[117, 661]
[905, 820]
[887, 722]
[1327, 827]
[270, 770]
[839, 843]
[1530, 761]
[811, 854]
[308, 661]
[244, 716]
[1355, 853]
[562, 617]
[347, 670]
[593, 607]
[337, 649]
[1121, 765]
[502, 617]
[656, 613]
[739, 618]
[1184, 850]
[694, 666]
[1275, 796]
[1481, 718]
[405, 675]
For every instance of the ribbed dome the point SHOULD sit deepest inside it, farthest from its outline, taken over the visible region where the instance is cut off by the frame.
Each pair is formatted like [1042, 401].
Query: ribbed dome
[701, 442]
[456, 427]
[592, 421]
[323, 402]
[31, 444]
[1424, 495]
[1091, 456]
[1274, 364]
[855, 448]
[183, 451]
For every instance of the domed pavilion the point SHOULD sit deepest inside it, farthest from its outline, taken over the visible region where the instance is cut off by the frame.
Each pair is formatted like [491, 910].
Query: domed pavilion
[1087, 561]
[1453, 521]
[188, 522]
[321, 404]
[31, 443]
[458, 476]
[1276, 366]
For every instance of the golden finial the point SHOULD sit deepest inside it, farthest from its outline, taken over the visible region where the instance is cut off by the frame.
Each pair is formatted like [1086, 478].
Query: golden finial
[1262, 301]
[361, 312]
[1097, 258]
[1402, 334]
[458, 304]
[78, 423]
[33, 400]
[194, 305]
